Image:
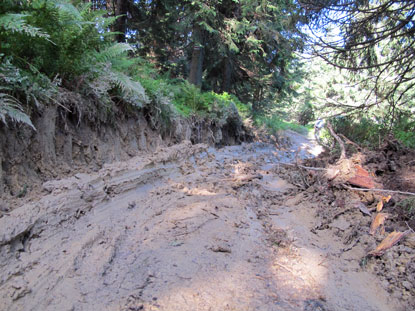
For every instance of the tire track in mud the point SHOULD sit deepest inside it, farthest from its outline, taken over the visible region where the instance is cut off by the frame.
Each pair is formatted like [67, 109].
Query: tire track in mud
[189, 228]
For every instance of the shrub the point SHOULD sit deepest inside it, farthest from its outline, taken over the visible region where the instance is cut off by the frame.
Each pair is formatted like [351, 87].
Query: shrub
[306, 114]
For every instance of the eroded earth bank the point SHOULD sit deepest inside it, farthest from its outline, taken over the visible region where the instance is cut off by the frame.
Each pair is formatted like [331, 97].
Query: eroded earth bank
[188, 227]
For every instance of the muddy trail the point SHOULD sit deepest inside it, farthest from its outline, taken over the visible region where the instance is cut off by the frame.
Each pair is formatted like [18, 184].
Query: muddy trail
[186, 228]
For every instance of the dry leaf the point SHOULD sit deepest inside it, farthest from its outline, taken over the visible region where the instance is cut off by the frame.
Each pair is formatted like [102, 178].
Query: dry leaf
[379, 206]
[386, 199]
[378, 221]
[388, 242]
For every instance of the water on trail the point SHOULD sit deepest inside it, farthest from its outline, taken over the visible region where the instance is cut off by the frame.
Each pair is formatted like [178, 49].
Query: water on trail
[186, 228]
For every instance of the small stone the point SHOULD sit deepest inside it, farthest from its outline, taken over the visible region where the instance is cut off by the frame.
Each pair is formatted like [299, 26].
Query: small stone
[401, 269]
[132, 205]
[407, 285]
[221, 249]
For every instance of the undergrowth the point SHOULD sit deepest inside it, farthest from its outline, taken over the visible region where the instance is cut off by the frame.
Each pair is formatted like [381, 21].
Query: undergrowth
[57, 45]
[274, 124]
[186, 98]
[371, 132]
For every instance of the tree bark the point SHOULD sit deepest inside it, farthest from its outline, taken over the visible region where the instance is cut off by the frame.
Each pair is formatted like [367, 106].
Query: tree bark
[227, 75]
[118, 8]
[337, 138]
[257, 100]
[196, 65]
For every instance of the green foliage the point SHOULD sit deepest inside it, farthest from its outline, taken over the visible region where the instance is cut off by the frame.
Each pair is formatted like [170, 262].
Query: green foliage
[189, 98]
[334, 94]
[52, 44]
[111, 52]
[11, 108]
[111, 68]
[185, 97]
[363, 131]
[47, 44]
[248, 46]
[373, 41]
[305, 114]
[274, 124]
[404, 131]
[372, 132]
[29, 86]
[16, 23]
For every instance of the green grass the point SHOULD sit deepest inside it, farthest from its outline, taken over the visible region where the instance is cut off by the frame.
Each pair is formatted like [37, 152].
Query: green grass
[275, 124]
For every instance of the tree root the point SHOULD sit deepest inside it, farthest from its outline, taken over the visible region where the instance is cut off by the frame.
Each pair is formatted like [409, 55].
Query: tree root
[338, 139]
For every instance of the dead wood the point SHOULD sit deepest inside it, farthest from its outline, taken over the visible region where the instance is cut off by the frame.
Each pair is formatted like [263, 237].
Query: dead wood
[378, 190]
[338, 139]
[304, 167]
[348, 141]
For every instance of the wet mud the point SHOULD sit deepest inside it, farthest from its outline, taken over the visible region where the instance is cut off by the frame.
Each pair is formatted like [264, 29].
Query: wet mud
[188, 227]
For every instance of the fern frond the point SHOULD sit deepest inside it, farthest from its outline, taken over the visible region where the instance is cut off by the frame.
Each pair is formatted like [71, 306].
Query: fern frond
[10, 107]
[16, 23]
[66, 8]
[112, 52]
[104, 23]
[132, 90]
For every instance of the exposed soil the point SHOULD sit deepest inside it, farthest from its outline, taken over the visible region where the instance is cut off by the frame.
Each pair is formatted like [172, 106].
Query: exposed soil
[85, 140]
[191, 227]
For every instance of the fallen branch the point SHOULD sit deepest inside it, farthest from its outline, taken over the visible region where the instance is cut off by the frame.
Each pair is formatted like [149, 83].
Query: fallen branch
[337, 138]
[378, 190]
[348, 141]
[304, 167]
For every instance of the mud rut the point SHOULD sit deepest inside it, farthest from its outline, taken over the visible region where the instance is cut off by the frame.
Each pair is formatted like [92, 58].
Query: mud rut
[188, 228]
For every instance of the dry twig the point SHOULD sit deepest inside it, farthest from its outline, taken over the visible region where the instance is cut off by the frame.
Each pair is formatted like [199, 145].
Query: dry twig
[409, 227]
[379, 190]
[304, 167]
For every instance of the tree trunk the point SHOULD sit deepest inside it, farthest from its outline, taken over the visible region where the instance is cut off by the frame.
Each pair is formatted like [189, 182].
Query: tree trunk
[118, 8]
[196, 65]
[257, 100]
[227, 75]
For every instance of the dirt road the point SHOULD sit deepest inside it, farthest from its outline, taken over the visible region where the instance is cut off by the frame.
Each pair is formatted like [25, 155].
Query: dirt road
[187, 228]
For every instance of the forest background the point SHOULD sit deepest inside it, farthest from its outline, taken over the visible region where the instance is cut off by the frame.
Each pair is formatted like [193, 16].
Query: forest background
[281, 63]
